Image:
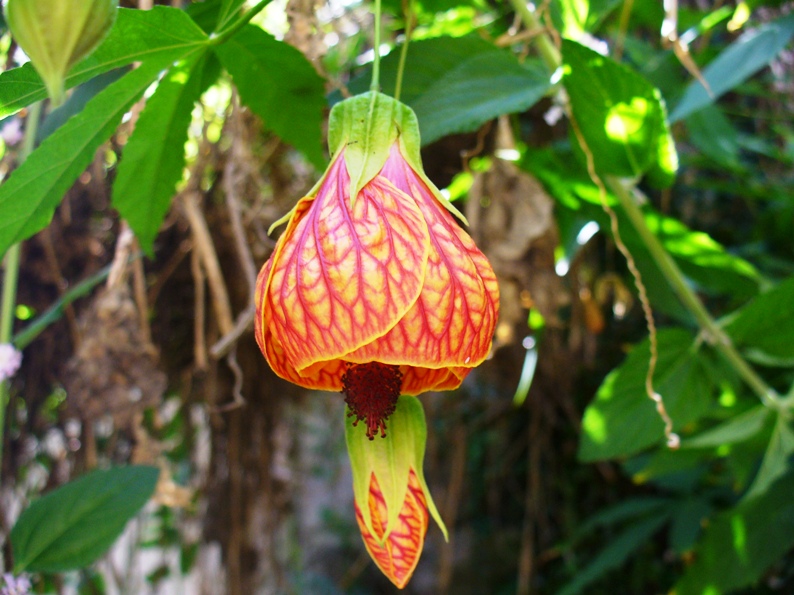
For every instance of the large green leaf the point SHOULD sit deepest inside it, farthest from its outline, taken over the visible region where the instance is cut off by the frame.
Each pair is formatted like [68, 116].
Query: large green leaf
[154, 157]
[162, 34]
[705, 262]
[765, 327]
[620, 114]
[741, 543]
[456, 84]
[712, 133]
[737, 429]
[30, 195]
[622, 420]
[277, 82]
[743, 58]
[228, 10]
[776, 459]
[72, 526]
[616, 552]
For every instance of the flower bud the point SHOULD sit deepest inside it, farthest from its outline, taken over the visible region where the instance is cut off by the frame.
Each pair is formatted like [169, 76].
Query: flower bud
[56, 34]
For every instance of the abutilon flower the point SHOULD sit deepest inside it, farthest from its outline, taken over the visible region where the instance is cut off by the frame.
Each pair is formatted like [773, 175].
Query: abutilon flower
[393, 504]
[374, 289]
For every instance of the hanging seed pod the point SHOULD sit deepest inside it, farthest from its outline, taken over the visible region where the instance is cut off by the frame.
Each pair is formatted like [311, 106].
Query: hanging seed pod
[56, 34]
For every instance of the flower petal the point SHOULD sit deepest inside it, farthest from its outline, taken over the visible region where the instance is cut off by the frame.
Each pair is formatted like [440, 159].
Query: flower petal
[452, 322]
[418, 380]
[342, 276]
[397, 555]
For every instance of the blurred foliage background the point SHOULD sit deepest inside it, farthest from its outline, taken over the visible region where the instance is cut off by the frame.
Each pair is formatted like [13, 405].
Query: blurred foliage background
[550, 465]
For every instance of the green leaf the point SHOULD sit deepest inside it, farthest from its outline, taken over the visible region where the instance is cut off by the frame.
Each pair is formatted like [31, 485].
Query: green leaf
[620, 548]
[229, 9]
[766, 325]
[277, 82]
[740, 544]
[622, 420]
[712, 133]
[456, 84]
[688, 519]
[620, 115]
[737, 429]
[627, 509]
[574, 17]
[776, 459]
[154, 157]
[30, 195]
[743, 58]
[162, 34]
[72, 526]
[77, 101]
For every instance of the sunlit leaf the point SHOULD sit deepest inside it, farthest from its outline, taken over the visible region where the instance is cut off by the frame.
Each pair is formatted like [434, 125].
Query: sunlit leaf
[277, 82]
[766, 325]
[28, 198]
[620, 115]
[743, 58]
[456, 84]
[622, 420]
[153, 158]
[162, 34]
[70, 527]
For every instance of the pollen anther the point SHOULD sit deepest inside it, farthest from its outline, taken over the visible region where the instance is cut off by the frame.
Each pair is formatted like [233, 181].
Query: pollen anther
[371, 392]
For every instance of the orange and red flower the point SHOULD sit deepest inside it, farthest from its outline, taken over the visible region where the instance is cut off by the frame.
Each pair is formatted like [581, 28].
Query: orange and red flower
[374, 289]
[398, 554]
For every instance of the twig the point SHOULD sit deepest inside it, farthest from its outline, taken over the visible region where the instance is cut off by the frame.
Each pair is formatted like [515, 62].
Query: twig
[121, 256]
[199, 297]
[237, 389]
[61, 283]
[139, 288]
[202, 242]
[232, 179]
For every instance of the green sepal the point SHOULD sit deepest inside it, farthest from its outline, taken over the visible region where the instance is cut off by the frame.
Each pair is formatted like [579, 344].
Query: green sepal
[56, 34]
[390, 459]
[365, 127]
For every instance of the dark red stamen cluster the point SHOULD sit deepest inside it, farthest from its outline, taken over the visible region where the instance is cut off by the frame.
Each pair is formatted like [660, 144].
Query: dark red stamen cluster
[371, 391]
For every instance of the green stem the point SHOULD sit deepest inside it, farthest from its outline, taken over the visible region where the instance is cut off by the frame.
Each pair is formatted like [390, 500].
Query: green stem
[11, 273]
[551, 56]
[713, 331]
[375, 84]
[409, 22]
[225, 34]
[548, 51]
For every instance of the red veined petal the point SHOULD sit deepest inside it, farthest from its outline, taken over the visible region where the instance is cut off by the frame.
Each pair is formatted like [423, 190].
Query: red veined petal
[452, 322]
[344, 276]
[399, 554]
[418, 380]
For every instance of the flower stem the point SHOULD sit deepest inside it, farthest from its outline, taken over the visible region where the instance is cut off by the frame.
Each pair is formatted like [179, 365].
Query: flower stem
[225, 34]
[11, 273]
[409, 25]
[375, 84]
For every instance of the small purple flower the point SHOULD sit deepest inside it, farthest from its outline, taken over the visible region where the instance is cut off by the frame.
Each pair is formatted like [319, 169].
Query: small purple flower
[10, 360]
[15, 585]
[12, 132]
